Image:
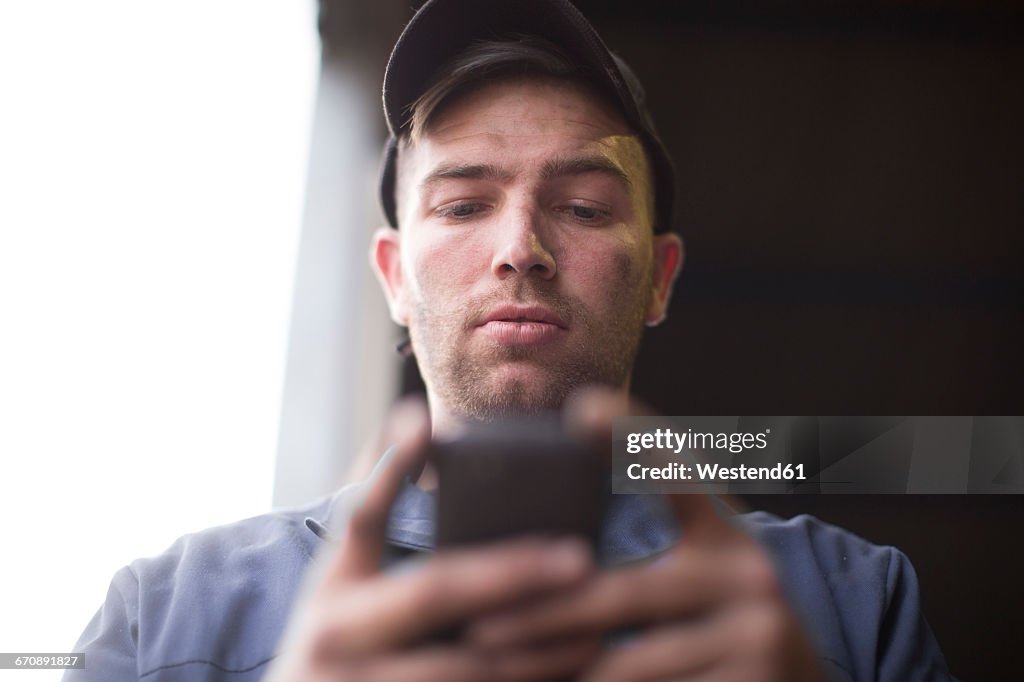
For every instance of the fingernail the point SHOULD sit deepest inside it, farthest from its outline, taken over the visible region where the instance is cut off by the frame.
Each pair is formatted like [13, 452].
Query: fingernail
[567, 558]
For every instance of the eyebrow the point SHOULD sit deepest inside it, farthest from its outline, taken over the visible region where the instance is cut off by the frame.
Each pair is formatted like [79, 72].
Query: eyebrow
[553, 169]
[581, 165]
[465, 171]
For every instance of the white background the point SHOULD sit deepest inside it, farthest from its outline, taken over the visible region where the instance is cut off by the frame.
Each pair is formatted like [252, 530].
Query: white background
[152, 165]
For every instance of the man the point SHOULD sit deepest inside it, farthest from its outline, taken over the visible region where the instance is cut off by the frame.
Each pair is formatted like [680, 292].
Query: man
[530, 208]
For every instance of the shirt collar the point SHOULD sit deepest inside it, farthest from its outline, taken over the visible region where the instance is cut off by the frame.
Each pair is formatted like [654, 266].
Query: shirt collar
[635, 526]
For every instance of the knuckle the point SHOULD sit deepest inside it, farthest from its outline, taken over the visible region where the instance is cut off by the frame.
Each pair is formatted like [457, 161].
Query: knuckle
[625, 597]
[757, 573]
[521, 561]
[423, 599]
[331, 637]
[433, 588]
[761, 631]
[364, 522]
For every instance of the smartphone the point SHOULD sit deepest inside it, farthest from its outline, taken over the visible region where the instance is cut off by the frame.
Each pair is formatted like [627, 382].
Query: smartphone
[517, 478]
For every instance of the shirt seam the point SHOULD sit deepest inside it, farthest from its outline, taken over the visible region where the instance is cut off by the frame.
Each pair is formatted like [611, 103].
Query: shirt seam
[218, 666]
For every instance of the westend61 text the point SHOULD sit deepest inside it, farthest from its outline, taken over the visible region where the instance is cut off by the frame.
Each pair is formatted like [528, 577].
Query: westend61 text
[716, 473]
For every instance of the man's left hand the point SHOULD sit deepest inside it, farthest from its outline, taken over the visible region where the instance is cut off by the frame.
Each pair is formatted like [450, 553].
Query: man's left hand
[711, 608]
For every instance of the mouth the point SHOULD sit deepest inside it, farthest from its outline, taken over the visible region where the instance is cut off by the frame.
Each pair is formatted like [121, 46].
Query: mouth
[522, 326]
[523, 315]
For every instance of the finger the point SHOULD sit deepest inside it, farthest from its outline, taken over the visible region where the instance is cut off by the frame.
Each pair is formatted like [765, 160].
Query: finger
[457, 663]
[558, 660]
[397, 610]
[433, 664]
[688, 582]
[702, 520]
[667, 652]
[408, 430]
[759, 639]
[609, 600]
[588, 413]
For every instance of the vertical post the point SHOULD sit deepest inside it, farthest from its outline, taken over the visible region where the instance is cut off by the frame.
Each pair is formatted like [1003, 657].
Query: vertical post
[341, 371]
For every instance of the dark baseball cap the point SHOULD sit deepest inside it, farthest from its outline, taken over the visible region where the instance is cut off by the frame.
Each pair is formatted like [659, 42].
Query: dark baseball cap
[442, 29]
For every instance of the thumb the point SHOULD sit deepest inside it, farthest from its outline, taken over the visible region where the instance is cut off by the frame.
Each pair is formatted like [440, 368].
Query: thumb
[407, 430]
[702, 518]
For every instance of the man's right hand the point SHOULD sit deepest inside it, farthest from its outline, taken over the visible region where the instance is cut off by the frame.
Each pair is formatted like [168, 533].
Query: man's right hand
[358, 623]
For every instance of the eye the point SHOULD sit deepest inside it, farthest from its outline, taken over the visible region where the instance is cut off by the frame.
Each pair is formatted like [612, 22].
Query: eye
[586, 214]
[460, 210]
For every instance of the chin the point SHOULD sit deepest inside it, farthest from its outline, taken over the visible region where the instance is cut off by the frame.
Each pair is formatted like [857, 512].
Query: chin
[509, 397]
[487, 392]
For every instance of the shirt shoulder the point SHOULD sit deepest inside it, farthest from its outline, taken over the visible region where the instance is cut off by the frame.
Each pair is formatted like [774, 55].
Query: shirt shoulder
[212, 606]
[860, 601]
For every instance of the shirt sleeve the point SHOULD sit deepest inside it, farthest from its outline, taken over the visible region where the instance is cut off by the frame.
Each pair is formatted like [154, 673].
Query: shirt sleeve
[110, 640]
[859, 602]
[907, 649]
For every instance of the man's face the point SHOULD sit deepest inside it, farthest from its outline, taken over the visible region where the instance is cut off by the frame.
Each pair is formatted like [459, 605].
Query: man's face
[526, 265]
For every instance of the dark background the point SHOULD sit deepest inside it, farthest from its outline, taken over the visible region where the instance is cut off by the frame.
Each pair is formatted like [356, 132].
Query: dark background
[851, 199]
[850, 196]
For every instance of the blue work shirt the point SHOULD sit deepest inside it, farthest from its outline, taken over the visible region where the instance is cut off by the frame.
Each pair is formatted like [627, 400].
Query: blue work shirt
[215, 604]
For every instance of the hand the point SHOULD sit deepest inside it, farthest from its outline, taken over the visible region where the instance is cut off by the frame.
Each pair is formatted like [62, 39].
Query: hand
[357, 623]
[711, 608]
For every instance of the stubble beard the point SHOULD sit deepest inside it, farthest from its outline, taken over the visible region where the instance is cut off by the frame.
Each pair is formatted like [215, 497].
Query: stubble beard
[470, 385]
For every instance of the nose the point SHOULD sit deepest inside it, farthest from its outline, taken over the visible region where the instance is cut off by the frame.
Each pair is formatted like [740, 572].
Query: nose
[521, 249]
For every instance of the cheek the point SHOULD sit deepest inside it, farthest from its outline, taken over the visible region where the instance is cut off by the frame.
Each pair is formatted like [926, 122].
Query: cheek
[614, 269]
[627, 269]
[443, 266]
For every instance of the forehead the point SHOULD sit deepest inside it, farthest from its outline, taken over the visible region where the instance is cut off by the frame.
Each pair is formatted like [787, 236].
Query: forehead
[517, 103]
[517, 126]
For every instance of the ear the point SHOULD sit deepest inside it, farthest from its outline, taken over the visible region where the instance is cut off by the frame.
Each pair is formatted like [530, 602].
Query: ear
[668, 261]
[386, 261]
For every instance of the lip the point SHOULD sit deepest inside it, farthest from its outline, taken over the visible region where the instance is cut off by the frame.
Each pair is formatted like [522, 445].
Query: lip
[523, 315]
[522, 326]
